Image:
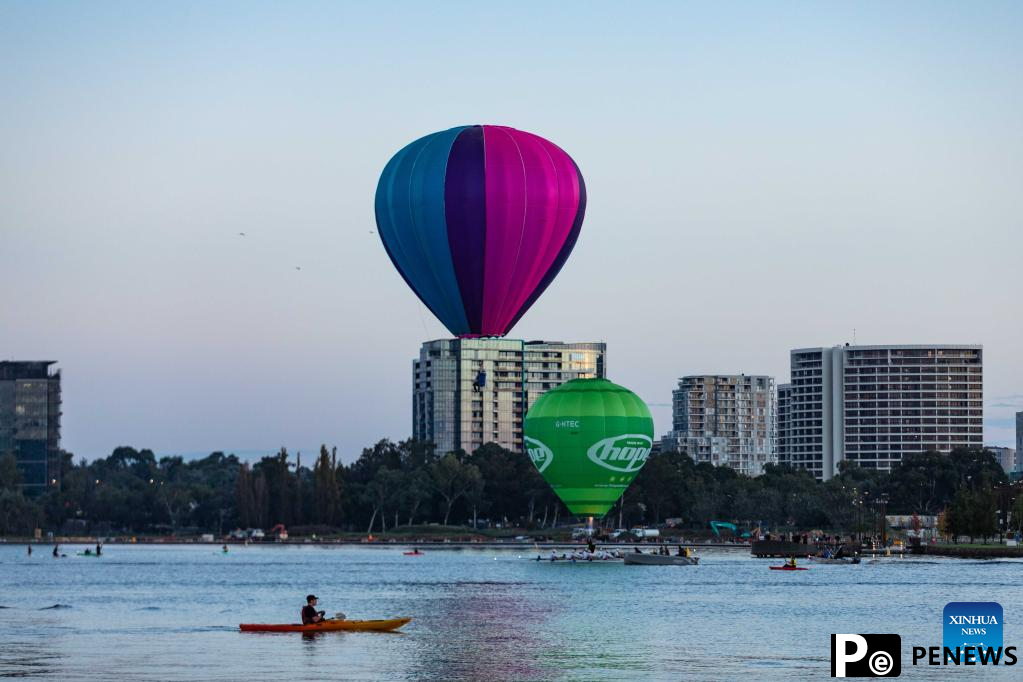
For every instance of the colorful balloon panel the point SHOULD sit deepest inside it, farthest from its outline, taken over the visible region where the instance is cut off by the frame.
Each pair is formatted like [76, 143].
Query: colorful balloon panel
[589, 438]
[479, 221]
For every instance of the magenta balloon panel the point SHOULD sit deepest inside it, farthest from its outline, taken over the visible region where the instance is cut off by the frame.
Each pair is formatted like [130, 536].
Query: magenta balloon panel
[479, 221]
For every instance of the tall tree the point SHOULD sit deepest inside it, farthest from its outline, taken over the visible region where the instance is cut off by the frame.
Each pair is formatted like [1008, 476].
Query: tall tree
[10, 477]
[381, 491]
[452, 480]
[325, 487]
[245, 500]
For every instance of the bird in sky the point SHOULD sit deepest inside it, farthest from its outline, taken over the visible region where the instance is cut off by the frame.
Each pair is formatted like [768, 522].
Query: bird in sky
[241, 234]
[298, 267]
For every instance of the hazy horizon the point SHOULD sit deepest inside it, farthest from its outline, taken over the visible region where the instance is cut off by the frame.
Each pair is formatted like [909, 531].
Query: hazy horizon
[760, 178]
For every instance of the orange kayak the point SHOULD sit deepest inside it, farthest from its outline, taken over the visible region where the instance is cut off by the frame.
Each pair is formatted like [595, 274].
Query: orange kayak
[330, 626]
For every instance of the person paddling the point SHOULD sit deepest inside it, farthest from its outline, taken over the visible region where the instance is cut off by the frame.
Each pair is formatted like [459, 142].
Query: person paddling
[99, 550]
[309, 613]
[56, 551]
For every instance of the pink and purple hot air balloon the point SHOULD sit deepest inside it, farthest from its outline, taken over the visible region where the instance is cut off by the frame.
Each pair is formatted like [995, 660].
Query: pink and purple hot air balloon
[479, 220]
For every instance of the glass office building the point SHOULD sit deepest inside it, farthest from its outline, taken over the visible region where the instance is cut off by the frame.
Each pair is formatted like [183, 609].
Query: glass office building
[1019, 441]
[30, 421]
[468, 392]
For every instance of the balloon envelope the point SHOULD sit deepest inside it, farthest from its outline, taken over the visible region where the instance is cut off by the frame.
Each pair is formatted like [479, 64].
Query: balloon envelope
[589, 438]
[479, 220]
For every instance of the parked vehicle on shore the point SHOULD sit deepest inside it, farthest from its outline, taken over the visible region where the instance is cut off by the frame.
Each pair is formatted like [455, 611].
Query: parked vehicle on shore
[643, 532]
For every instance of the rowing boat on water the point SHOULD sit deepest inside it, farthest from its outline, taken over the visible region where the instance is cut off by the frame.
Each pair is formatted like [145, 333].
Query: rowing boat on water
[581, 557]
[660, 560]
[330, 626]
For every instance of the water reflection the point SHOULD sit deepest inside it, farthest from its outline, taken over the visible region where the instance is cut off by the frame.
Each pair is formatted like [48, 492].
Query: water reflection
[171, 613]
[485, 631]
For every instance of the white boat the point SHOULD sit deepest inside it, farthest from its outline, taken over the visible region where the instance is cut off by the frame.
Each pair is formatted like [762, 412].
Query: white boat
[660, 560]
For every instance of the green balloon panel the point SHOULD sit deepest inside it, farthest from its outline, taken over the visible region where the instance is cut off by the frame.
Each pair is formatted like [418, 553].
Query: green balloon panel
[589, 438]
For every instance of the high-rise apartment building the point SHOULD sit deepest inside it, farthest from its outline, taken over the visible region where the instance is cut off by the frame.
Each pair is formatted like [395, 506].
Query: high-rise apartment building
[871, 405]
[30, 421]
[727, 420]
[467, 392]
[783, 421]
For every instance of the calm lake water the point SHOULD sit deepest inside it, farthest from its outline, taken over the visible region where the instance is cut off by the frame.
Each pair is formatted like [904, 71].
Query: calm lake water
[171, 613]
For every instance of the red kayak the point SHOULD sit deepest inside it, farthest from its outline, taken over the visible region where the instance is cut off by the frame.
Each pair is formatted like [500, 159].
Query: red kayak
[329, 626]
[415, 553]
[788, 568]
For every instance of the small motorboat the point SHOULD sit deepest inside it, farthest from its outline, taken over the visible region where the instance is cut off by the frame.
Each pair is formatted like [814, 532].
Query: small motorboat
[332, 625]
[660, 560]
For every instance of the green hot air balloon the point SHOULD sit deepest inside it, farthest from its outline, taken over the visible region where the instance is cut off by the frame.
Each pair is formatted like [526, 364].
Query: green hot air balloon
[589, 438]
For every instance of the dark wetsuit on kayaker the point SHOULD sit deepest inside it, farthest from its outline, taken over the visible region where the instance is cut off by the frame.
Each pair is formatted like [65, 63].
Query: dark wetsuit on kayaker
[309, 613]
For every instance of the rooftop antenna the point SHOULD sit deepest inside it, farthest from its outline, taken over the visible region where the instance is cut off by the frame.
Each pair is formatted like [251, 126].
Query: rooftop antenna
[854, 336]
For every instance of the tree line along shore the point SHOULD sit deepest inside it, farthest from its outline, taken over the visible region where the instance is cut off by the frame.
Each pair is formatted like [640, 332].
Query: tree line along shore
[406, 490]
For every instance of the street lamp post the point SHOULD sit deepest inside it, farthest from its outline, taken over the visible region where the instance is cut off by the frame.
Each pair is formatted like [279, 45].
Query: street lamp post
[884, 520]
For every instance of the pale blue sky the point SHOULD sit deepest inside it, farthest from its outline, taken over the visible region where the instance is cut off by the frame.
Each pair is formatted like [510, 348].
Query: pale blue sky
[761, 176]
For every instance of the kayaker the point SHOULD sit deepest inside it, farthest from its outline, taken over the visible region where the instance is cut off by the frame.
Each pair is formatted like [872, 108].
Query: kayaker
[99, 550]
[309, 613]
[30, 550]
[224, 549]
[791, 563]
[56, 551]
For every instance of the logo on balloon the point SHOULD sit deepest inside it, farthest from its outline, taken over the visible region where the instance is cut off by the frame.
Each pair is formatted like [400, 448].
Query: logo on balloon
[539, 453]
[625, 454]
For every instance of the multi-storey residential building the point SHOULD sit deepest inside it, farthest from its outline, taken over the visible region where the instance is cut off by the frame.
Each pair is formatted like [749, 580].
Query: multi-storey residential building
[783, 421]
[30, 421]
[727, 420]
[871, 405]
[467, 392]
